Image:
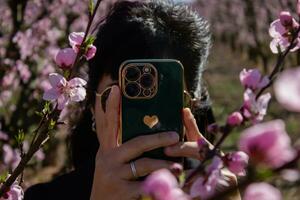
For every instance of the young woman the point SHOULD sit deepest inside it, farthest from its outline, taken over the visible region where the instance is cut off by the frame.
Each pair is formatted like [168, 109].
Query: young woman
[132, 30]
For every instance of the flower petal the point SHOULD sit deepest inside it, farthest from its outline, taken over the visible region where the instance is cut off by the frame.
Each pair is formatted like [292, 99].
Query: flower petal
[90, 52]
[274, 45]
[65, 58]
[57, 80]
[51, 94]
[76, 38]
[287, 89]
[74, 82]
[78, 94]
[62, 101]
[276, 29]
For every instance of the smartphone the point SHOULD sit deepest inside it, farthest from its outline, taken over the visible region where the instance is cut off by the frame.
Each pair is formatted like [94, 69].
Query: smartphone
[152, 100]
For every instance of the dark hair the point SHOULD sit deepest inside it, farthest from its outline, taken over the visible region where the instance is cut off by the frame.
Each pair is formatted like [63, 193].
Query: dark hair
[133, 30]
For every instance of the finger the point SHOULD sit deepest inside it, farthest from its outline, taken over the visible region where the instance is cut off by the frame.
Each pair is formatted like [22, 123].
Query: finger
[133, 190]
[113, 115]
[137, 146]
[99, 120]
[192, 131]
[109, 121]
[184, 149]
[144, 166]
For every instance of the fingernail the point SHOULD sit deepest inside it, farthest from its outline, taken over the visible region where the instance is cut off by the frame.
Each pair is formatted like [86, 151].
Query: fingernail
[188, 109]
[105, 96]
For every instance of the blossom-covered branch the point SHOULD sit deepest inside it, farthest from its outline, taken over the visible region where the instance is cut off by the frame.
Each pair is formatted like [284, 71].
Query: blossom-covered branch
[63, 90]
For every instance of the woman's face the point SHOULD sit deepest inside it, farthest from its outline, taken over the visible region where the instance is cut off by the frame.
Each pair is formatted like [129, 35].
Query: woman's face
[104, 83]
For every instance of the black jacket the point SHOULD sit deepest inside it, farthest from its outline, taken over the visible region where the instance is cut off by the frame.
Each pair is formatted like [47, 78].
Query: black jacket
[75, 185]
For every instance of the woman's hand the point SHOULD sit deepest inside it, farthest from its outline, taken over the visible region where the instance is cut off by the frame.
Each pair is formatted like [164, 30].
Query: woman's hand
[113, 176]
[190, 149]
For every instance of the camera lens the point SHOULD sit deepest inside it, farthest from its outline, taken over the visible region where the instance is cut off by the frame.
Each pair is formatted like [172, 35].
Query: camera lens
[147, 81]
[132, 89]
[132, 73]
[147, 93]
[147, 69]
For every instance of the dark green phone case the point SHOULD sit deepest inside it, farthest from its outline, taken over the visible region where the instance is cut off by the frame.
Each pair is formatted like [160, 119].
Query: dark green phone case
[166, 105]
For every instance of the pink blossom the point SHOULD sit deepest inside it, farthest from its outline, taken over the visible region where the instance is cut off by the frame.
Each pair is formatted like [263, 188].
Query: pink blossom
[253, 109]
[206, 186]
[281, 31]
[262, 191]
[253, 79]
[176, 169]
[3, 136]
[216, 164]
[286, 18]
[287, 89]
[8, 79]
[290, 175]
[267, 143]
[75, 40]
[237, 162]
[15, 193]
[90, 52]
[235, 119]
[65, 58]
[202, 188]
[10, 157]
[162, 185]
[24, 71]
[65, 91]
[5, 97]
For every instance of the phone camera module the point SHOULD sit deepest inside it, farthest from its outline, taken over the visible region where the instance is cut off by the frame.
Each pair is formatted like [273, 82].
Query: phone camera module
[132, 73]
[147, 69]
[147, 93]
[147, 81]
[132, 89]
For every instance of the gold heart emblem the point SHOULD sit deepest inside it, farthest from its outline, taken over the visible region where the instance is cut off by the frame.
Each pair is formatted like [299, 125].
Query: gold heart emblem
[150, 121]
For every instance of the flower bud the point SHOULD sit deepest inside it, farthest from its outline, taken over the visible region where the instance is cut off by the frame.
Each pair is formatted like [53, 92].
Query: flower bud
[65, 58]
[235, 119]
[286, 18]
[91, 51]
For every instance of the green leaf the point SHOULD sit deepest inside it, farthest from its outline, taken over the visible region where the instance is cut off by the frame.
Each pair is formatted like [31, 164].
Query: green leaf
[46, 108]
[89, 40]
[181, 178]
[40, 114]
[51, 124]
[91, 7]
[20, 137]
[3, 176]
